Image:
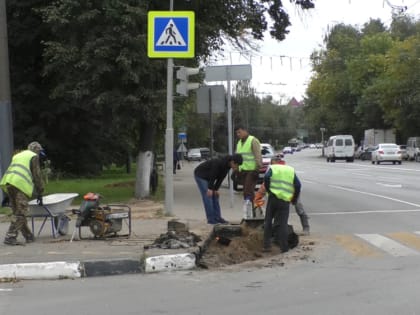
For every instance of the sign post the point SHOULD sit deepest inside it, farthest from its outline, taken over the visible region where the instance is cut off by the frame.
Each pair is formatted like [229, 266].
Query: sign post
[228, 73]
[170, 35]
[6, 129]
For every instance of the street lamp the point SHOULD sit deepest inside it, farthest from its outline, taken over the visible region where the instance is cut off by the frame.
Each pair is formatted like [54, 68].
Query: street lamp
[322, 129]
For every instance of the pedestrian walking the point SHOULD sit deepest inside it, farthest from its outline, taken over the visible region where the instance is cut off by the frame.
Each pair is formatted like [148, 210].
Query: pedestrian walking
[21, 181]
[283, 187]
[176, 162]
[250, 149]
[209, 175]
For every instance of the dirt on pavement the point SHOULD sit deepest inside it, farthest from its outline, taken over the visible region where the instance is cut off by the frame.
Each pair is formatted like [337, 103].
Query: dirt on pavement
[242, 250]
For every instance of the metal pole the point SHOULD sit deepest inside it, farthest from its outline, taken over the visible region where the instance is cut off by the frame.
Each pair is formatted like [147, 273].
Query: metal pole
[211, 124]
[322, 140]
[169, 137]
[230, 135]
[6, 129]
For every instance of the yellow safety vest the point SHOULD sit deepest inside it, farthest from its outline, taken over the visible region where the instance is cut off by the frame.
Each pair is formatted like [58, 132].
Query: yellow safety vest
[19, 173]
[245, 149]
[281, 182]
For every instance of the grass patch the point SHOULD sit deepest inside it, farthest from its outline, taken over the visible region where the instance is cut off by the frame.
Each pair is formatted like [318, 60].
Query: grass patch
[114, 185]
[6, 211]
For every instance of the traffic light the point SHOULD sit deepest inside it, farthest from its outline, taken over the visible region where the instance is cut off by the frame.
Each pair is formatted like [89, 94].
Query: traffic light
[184, 86]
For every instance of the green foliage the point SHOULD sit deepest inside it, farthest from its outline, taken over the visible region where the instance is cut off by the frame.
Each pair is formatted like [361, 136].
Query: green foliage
[367, 79]
[114, 184]
[84, 86]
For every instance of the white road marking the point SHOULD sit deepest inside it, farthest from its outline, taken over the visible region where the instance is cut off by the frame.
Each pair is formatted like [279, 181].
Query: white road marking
[390, 185]
[375, 195]
[5, 290]
[388, 245]
[364, 212]
[362, 174]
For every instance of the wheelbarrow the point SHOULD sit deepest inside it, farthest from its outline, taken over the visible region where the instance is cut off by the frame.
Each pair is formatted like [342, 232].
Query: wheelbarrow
[54, 207]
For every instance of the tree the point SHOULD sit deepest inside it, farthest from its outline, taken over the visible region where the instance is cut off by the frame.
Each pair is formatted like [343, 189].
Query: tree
[105, 96]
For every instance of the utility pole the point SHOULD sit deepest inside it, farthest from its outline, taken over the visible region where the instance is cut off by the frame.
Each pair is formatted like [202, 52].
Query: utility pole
[6, 130]
[169, 136]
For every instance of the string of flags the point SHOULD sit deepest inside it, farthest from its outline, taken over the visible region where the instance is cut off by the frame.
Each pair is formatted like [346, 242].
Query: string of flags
[272, 61]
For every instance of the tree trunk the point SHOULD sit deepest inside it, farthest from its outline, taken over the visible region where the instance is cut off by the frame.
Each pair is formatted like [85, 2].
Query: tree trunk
[145, 160]
[144, 170]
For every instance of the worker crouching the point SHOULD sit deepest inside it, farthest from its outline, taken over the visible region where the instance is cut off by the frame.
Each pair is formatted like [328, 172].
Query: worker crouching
[283, 187]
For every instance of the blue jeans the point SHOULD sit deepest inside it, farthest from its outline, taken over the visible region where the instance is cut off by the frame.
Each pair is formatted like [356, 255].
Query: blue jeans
[211, 204]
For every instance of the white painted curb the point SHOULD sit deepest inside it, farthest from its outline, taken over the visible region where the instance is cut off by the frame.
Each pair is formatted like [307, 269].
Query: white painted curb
[41, 271]
[170, 262]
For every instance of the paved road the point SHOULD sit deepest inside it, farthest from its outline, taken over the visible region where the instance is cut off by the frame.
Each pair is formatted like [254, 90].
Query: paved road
[364, 221]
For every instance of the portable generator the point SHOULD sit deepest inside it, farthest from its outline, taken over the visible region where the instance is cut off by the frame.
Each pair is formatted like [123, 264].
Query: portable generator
[103, 221]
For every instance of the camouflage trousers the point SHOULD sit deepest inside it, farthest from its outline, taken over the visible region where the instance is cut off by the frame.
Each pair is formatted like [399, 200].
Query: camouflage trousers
[19, 204]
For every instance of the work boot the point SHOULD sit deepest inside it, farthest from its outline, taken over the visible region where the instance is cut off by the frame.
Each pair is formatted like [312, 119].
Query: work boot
[305, 224]
[12, 241]
[30, 238]
[266, 249]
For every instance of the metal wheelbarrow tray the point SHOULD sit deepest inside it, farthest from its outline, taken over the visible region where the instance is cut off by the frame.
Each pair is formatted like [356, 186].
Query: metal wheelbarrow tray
[53, 208]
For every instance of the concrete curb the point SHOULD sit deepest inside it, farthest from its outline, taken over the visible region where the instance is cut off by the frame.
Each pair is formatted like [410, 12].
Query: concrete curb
[40, 271]
[96, 268]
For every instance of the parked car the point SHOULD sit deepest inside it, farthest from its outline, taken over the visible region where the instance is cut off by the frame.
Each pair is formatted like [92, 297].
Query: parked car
[386, 152]
[267, 153]
[413, 148]
[287, 150]
[358, 152]
[194, 154]
[340, 147]
[205, 153]
[404, 154]
[366, 154]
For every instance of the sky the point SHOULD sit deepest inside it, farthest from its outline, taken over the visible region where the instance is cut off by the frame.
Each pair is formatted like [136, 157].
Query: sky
[282, 69]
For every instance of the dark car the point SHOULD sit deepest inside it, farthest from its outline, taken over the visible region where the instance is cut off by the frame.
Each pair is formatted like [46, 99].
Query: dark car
[366, 154]
[205, 153]
[267, 153]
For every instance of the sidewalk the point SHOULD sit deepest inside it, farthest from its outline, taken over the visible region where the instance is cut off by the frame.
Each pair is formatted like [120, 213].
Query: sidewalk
[59, 258]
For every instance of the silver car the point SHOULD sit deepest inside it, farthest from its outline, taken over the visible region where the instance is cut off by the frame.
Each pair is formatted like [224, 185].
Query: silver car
[386, 152]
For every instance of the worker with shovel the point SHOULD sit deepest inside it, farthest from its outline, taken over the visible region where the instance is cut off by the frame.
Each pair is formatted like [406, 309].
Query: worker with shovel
[283, 187]
[300, 210]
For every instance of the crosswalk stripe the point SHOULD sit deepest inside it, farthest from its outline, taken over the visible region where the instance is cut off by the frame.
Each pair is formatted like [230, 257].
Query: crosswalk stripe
[410, 239]
[356, 247]
[388, 245]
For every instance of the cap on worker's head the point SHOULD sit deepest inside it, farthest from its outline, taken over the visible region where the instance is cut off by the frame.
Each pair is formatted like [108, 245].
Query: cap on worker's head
[237, 158]
[35, 147]
[277, 159]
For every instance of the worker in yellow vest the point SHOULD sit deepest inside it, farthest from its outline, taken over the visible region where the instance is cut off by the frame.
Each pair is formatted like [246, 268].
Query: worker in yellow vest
[283, 187]
[21, 181]
[300, 210]
[250, 149]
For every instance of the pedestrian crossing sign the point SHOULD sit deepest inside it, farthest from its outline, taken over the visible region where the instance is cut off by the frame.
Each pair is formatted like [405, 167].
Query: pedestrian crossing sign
[170, 34]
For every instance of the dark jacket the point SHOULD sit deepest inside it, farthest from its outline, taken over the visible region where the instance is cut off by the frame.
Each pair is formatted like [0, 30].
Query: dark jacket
[214, 171]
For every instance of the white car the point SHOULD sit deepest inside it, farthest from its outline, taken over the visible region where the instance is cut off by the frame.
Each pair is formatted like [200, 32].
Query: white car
[287, 150]
[194, 154]
[386, 152]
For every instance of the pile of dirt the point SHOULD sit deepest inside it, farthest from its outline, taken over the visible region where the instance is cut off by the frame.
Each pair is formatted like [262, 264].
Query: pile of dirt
[175, 240]
[248, 249]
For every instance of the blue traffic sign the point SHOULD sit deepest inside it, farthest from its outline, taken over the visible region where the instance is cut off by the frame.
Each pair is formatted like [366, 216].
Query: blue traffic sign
[171, 34]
